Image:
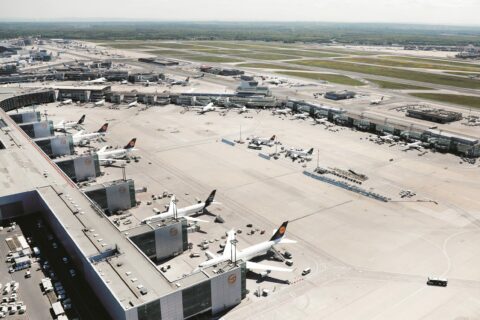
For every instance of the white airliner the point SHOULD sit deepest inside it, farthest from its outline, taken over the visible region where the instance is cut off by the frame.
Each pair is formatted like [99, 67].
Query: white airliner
[300, 116]
[377, 101]
[414, 145]
[243, 110]
[81, 138]
[388, 138]
[209, 107]
[263, 141]
[67, 101]
[112, 156]
[65, 125]
[283, 112]
[96, 81]
[302, 154]
[250, 252]
[320, 121]
[186, 212]
[99, 103]
[132, 104]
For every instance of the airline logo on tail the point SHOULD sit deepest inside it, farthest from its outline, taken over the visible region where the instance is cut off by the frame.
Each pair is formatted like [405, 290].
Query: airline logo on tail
[131, 144]
[82, 119]
[210, 198]
[310, 151]
[280, 232]
[103, 128]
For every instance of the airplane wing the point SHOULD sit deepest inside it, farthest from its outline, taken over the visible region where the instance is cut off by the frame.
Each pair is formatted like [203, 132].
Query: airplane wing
[107, 161]
[194, 219]
[257, 266]
[103, 149]
[210, 255]
[227, 251]
[79, 133]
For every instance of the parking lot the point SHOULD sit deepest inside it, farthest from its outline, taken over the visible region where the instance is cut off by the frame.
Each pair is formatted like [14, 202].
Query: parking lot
[53, 262]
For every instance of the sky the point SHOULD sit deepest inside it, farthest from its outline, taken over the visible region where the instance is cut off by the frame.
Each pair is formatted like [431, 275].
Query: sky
[445, 12]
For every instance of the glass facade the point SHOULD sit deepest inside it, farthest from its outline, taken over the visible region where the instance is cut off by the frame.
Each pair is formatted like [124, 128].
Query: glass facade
[243, 272]
[150, 311]
[184, 234]
[69, 168]
[131, 189]
[99, 196]
[146, 243]
[197, 299]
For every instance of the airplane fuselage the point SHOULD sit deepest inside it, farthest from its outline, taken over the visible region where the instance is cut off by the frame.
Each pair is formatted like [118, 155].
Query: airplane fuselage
[181, 212]
[86, 137]
[245, 255]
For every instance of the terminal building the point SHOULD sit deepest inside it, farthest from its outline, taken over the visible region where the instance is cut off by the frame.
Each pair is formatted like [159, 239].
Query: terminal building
[339, 95]
[433, 115]
[116, 266]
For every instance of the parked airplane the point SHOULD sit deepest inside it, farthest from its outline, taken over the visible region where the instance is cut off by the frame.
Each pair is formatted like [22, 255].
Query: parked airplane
[63, 126]
[96, 81]
[124, 82]
[251, 252]
[99, 103]
[109, 157]
[300, 116]
[377, 101]
[181, 83]
[67, 101]
[81, 138]
[320, 121]
[281, 111]
[243, 110]
[132, 104]
[186, 212]
[209, 107]
[388, 138]
[263, 141]
[414, 145]
[301, 154]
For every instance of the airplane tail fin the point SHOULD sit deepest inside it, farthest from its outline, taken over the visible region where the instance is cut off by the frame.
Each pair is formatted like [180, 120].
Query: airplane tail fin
[187, 80]
[103, 128]
[280, 232]
[131, 144]
[82, 119]
[273, 138]
[310, 152]
[210, 199]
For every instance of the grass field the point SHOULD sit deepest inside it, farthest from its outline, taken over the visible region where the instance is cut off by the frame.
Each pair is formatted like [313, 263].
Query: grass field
[393, 73]
[167, 52]
[302, 53]
[436, 61]
[334, 78]
[468, 101]
[175, 45]
[236, 45]
[130, 46]
[217, 59]
[419, 64]
[265, 66]
[348, 51]
[397, 86]
[244, 44]
[221, 51]
[265, 56]
[465, 74]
